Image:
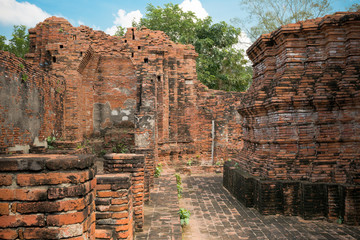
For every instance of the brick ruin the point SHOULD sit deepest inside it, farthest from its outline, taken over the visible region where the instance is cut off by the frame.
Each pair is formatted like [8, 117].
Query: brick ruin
[94, 92]
[300, 121]
[292, 137]
[142, 82]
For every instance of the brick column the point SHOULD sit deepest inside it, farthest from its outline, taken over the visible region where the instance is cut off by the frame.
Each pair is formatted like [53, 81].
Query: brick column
[114, 207]
[134, 164]
[47, 197]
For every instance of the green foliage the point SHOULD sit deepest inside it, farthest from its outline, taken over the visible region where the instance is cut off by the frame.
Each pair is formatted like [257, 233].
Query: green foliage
[158, 170]
[179, 185]
[273, 14]
[189, 162]
[24, 77]
[61, 30]
[355, 7]
[3, 45]
[219, 65]
[340, 220]
[102, 152]
[19, 43]
[120, 148]
[120, 31]
[184, 216]
[50, 141]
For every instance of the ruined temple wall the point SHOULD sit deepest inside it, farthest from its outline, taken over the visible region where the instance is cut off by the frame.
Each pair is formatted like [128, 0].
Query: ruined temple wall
[31, 104]
[300, 117]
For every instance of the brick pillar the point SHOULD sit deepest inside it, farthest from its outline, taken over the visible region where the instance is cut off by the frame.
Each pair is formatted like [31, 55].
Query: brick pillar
[114, 207]
[149, 170]
[134, 164]
[47, 197]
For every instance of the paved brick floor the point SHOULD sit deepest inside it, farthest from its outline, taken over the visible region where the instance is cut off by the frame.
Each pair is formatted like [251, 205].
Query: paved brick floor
[161, 218]
[215, 214]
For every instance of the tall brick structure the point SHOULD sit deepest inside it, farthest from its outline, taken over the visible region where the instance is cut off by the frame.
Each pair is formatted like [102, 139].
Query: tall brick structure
[143, 81]
[300, 121]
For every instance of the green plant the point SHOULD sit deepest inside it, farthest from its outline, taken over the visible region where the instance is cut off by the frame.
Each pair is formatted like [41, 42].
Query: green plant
[236, 165]
[158, 170]
[24, 77]
[120, 148]
[102, 152]
[61, 30]
[340, 220]
[184, 216]
[21, 65]
[179, 185]
[189, 162]
[50, 141]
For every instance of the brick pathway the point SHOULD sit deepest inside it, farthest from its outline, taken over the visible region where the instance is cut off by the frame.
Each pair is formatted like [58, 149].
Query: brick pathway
[161, 218]
[218, 215]
[215, 214]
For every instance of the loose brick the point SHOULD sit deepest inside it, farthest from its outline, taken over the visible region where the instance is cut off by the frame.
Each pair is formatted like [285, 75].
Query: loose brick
[4, 208]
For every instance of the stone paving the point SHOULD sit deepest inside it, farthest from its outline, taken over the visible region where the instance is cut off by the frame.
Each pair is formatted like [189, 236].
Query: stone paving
[216, 214]
[161, 218]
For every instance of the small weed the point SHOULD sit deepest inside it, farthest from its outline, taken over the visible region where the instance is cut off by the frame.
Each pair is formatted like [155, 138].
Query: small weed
[184, 216]
[24, 77]
[236, 165]
[179, 185]
[21, 65]
[102, 152]
[189, 162]
[61, 30]
[50, 141]
[120, 148]
[158, 170]
[340, 220]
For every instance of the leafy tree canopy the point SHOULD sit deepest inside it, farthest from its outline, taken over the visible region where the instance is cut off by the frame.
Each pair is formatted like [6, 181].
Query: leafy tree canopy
[273, 14]
[219, 65]
[18, 44]
[120, 31]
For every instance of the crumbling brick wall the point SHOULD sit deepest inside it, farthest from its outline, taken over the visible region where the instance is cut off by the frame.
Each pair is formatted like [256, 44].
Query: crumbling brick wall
[300, 121]
[31, 104]
[142, 78]
[47, 197]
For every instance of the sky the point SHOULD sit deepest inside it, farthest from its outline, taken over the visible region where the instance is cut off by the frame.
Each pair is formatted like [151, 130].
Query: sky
[105, 15]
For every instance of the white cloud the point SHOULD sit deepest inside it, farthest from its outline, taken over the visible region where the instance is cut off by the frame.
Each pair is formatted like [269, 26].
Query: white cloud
[243, 44]
[20, 13]
[124, 19]
[194, 6]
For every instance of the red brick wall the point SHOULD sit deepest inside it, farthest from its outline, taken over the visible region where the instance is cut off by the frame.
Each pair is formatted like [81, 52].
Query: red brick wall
[300, 117]
[114, 207]
[134, 164]
[47, 197]
[31, 104]
[143, 78]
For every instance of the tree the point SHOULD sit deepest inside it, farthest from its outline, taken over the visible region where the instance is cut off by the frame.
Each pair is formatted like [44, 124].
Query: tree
[120, 31]
[3, 45]
[18, 44]
[273, 14]
[355, 7]
[219, 64]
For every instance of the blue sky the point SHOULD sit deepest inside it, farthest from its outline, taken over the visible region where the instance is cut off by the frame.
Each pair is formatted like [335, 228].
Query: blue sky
[105, 14]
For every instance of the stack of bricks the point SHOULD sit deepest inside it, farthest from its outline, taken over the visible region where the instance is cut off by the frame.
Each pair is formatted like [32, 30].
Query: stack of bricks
[300, 117]
[47, 197]
[114, 207]
[134, 164]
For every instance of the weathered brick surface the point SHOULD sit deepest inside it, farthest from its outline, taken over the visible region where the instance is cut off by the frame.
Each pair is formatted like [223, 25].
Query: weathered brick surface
[114, 207]
[37, 203]
[300, 121]
[134, 164]
[31, 104]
